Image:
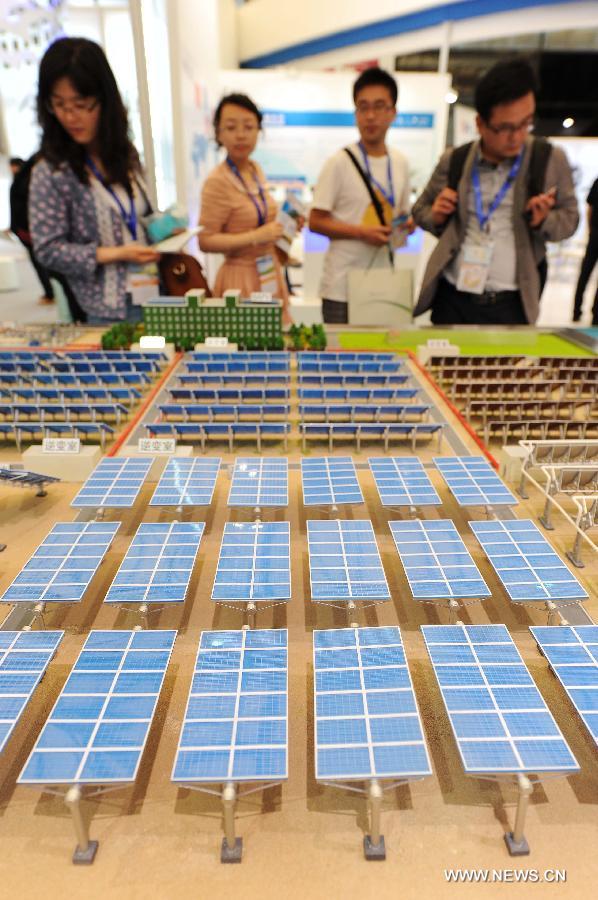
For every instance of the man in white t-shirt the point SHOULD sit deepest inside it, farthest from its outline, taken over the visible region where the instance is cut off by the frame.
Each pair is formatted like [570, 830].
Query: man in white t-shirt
[361, 231]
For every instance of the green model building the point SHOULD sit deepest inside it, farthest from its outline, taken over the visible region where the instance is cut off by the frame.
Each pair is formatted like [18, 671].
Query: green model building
[254, 324]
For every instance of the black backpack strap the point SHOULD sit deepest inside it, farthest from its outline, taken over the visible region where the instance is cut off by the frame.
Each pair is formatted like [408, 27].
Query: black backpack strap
[373, 197]
[457, 164]
[540, 154]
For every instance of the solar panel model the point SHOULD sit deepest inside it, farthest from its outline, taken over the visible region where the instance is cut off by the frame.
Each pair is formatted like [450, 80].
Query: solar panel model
[499, 719]
[403, 481]
[114, 483]
[235, 725]
[158, 564]
[254, 565]
[329, 480]
[572, 653]
[525, 562]
[473, 482]
[368, 726]
[437, 563]
[62, 567]
[187, 482]
[344, 562]
[98, 728]
[24, 658]
[259, 481]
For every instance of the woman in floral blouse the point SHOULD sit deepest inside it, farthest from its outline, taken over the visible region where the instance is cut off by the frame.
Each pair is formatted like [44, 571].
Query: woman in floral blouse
[87, 195]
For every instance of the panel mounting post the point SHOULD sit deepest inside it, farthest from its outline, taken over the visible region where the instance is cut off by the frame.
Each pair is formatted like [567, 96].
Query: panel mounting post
[373, 843]
[85, 850]
[515, 840]
[232, 847]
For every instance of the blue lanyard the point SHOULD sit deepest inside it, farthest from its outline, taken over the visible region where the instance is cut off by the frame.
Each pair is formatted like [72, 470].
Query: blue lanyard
[129, 218]
[262, 211]
[389, 195]
[484, 217]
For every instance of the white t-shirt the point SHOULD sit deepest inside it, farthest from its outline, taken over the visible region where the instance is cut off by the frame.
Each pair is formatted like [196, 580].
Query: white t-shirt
[341, 191]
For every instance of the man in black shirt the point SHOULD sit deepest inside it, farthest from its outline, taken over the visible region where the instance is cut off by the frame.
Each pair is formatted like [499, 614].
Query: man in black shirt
[590, 258]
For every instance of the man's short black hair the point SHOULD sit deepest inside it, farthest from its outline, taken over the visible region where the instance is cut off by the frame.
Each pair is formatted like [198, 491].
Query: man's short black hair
[16, 161]
[505, 82]
[376, 76]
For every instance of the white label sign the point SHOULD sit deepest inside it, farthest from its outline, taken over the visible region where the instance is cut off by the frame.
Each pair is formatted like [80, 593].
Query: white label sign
[156, 445]
[61, 445]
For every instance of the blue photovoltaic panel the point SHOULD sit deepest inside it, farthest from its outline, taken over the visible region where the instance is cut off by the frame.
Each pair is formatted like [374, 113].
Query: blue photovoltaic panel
[498, 716]
[367, 721]
[254, 562]
[260, 481]
[63, 565]
[436, 561]
[572, 652]
[114, 482]
[344, 562]
[24, 657]
[329, 480]
[403, 481]
[525, 562]
[187, 482]
[158, 564]
[473, 482]
[98, 728]
[235, 726]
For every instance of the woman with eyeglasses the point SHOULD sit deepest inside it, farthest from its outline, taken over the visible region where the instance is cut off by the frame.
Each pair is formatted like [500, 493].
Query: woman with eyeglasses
[87, 196]
[238, 215]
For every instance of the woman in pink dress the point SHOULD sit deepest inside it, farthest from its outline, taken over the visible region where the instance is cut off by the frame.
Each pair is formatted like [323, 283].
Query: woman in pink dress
[238, 214]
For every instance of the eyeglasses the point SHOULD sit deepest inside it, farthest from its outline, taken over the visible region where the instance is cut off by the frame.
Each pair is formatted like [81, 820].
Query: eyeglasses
[79, 107]
[506, 128]
[378, 107]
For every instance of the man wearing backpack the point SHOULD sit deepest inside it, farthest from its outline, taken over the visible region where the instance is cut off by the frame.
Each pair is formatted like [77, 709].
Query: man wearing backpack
[493, 204]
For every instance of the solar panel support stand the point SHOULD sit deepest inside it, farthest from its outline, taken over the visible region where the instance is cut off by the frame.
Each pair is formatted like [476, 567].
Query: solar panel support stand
[490, 513]
[515, 840]
[232, 846]
[545, 517]
[85, 850]
[373, 844]
[351, 610]
[453, 608]
[251, 615]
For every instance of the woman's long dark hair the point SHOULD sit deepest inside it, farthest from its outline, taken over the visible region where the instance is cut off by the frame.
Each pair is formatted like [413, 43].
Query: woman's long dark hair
[84, 63]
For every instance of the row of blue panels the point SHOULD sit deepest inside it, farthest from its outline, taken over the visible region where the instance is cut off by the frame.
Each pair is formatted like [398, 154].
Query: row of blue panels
[235, 728]
[254, 562]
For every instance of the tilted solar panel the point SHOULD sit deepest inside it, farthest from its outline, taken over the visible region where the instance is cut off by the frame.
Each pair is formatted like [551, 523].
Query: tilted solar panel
[114, 482]
[367, 721]
[254, 562]
[62, 567]
[187, 482]
[158, 565]
[525, 562]
[473, 481]
[436, 561]
[344, 561]
[235, 725]
[329, 480]
[403, 481]
[500, 722]
[98, 728]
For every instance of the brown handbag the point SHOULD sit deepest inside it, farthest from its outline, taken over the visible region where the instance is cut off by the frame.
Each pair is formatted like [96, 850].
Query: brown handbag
[179, 273]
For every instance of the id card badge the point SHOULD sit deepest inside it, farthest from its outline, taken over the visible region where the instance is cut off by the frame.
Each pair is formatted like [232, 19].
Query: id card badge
[143, 283]
[475, 265]
[267, 275]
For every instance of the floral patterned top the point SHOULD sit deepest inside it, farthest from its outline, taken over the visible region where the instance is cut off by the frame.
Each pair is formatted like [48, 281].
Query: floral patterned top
[68, 221]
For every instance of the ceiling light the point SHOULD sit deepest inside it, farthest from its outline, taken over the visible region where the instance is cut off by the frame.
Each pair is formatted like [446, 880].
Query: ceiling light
[568, 122]
[451, 96]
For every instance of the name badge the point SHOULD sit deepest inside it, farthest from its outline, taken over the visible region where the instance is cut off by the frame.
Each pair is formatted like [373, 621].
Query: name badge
[267, 275]
[143, 283]
[475, 266]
